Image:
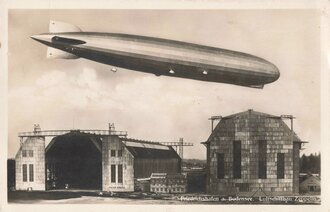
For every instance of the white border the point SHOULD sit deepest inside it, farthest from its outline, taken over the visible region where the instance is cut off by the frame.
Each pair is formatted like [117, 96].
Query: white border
[323, 6]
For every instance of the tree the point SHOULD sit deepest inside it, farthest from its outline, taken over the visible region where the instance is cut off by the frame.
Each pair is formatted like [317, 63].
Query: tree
[311, 163]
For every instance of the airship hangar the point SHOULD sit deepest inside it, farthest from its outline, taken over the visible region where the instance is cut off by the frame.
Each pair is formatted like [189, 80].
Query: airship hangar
[91, 159]
[253, 153]
[247, 153]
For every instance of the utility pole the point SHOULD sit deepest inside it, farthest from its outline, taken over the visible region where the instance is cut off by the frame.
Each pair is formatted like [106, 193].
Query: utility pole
[178, 146]
[181, 147]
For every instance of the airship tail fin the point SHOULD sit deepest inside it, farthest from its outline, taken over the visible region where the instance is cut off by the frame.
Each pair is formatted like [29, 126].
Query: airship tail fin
[57, 26]
[53, 53]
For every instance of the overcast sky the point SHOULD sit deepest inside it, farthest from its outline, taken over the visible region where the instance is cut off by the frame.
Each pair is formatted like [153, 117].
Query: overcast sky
[82, 94]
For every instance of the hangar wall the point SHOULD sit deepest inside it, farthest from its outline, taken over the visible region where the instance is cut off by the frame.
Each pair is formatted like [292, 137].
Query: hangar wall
[115, 157]
[261, 139]
[30, 164]
[145, 167]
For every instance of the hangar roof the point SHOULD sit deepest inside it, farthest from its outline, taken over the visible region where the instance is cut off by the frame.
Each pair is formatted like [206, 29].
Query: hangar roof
[252, 114]
[149, 150]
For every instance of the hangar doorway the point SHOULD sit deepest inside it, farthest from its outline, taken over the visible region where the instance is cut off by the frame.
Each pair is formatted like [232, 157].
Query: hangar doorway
[74, 161]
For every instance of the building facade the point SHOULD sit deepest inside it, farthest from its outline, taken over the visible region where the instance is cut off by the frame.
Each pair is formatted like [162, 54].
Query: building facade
[310, 185]
[168, 183]
[30, 165]
[252, 152]
[79, 160]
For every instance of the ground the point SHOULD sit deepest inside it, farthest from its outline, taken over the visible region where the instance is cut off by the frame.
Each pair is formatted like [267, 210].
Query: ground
[97, 197]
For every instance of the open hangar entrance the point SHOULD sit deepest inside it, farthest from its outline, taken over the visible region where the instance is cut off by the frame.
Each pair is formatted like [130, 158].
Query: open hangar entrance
[74, 161]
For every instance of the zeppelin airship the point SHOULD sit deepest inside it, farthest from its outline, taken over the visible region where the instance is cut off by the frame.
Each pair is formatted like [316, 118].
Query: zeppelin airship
[158, 56]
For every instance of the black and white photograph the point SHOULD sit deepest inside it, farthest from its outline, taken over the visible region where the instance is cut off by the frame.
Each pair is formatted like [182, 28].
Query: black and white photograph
[160, 106]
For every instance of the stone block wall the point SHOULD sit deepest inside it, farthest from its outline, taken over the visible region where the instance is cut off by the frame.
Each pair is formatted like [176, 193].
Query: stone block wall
[126, 160]
[250, 128]
[296, 167]
[31, 152]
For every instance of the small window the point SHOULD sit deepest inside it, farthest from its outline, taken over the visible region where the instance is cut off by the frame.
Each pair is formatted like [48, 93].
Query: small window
[221, 166]
[312, 188]
[30, 153]
[280, 165]
[120, 173]
[262, 157]
[24, 173]
[243, 187]
[31, 173]
[120, 153]
[24, 154]
[113, 173]
[113, 153]
[237, 157]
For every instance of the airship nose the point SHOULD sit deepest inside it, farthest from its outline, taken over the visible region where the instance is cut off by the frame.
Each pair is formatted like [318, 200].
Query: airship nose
[274, 72]
[42, 37]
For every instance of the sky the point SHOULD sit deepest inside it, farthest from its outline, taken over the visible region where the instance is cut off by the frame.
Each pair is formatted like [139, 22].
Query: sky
[83, 94]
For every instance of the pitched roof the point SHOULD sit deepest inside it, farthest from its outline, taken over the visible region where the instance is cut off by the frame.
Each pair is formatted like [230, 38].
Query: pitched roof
[311, 180]
[249, 112]
[149, 150]
[144, 144]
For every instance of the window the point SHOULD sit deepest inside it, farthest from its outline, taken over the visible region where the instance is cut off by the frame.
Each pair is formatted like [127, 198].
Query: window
[237, 159]
[280, 165]
[113, 173]
[24, 173]
[27, 153]
[312, 188]
[262, 169]
[120, 153]
[120, 173]
[243, 187]
[31, 177]
[113, 153]
[221, 166]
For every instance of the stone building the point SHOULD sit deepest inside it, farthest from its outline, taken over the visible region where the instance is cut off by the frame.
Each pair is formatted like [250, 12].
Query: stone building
[82, 160]
[252, 152]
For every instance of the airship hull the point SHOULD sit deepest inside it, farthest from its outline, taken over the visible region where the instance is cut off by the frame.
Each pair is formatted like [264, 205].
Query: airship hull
[165, 57]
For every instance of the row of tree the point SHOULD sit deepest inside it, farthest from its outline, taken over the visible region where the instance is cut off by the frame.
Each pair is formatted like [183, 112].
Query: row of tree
[311, 163]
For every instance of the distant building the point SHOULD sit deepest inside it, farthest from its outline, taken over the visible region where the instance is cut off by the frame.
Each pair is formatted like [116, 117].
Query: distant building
[142, 184]
[251, 152]
[196, 180]
[82, 160]
[310, 184]
[168, 183]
